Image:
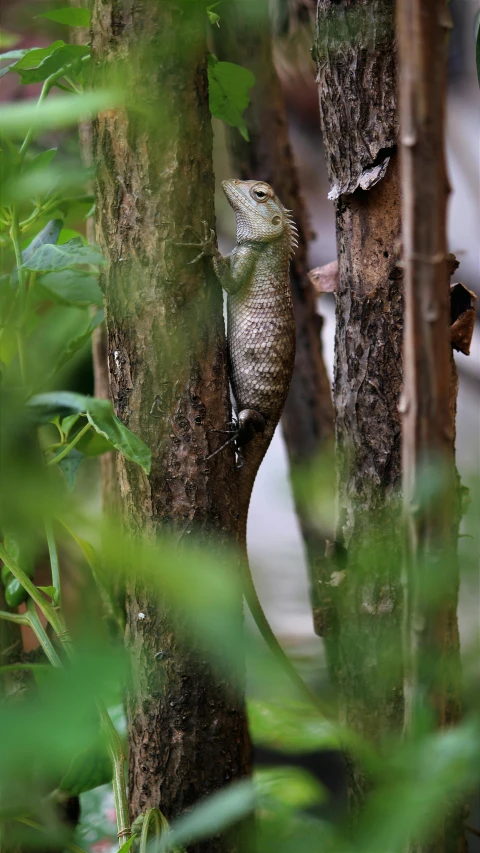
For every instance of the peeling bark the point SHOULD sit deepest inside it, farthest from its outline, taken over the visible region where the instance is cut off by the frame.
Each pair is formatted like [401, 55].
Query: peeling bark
[168, 383]
[307, 419]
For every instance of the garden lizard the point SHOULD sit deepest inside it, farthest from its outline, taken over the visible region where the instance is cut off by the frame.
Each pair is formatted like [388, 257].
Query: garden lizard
[261, 345]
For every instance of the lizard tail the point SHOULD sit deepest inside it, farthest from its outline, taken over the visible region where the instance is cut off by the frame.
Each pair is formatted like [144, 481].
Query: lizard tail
[254, 453]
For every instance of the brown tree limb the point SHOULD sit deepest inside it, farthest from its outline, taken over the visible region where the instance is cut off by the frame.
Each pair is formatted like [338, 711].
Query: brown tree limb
[430, 480]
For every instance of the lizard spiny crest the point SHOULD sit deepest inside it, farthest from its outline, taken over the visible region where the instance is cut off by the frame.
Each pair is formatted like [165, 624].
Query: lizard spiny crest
[260, 216]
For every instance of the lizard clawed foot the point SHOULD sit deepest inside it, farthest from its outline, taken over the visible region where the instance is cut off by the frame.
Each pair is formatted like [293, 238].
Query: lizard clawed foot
[207, 243]
[250, 422]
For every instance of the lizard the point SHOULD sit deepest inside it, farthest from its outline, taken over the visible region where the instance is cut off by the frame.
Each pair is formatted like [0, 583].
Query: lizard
[261, 348]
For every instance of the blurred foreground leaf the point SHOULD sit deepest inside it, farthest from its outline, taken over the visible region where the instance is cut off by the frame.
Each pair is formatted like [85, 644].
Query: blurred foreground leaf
[61, 111]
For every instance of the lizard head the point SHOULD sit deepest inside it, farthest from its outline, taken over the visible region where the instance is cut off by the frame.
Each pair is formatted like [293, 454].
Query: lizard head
[260, 216]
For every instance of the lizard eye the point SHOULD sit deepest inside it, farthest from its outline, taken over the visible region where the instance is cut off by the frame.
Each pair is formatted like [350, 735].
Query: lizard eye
[260, 194]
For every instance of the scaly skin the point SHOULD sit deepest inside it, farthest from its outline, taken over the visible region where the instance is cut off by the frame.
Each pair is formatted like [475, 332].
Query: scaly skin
[261, 346]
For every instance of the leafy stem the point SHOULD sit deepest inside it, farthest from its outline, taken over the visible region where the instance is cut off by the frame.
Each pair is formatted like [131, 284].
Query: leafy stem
[69, 447]
[31, 620]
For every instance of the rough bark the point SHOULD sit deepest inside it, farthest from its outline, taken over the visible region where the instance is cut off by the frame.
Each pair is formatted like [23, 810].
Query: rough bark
[307, 419]
[430, 389]
[168, 382]
[356, 75]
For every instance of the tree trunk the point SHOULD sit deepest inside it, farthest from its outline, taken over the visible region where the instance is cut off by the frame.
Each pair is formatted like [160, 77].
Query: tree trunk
[428, 402]
[168, 381]
[355, 56]
[307, 421]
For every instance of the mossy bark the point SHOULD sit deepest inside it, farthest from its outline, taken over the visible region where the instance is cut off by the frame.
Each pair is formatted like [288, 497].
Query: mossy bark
[168, 382]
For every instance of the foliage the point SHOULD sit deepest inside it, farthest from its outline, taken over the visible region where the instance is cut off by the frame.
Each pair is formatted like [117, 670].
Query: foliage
[59, 710]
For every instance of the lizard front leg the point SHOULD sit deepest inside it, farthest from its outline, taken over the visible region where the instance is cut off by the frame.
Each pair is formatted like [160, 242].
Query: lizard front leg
[235, 270]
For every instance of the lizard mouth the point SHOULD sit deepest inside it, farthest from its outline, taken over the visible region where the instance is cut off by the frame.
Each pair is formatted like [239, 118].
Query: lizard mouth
[236, 198]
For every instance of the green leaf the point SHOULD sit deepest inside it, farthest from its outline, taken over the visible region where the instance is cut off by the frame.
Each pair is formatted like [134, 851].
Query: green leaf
[73, 17]
[17, 118]
[35, 55]
[100, 415]
[64, 56]
[51, 258]
[228, 87]
[51, 591]
[69, 466]
[71, 287]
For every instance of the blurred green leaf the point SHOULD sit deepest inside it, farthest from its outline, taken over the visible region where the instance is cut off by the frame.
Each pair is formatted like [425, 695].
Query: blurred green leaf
[75, 344]
[14, 56]
[293, 727]
[73, 17]
[228, 87]
[51, 258]
[47, 236]
[70, 465]
[60, 111]
[87, 771]
[71, 287]
[290, 787]
[212, 816]
[8, 39]
[43, 159]
[420, 782]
